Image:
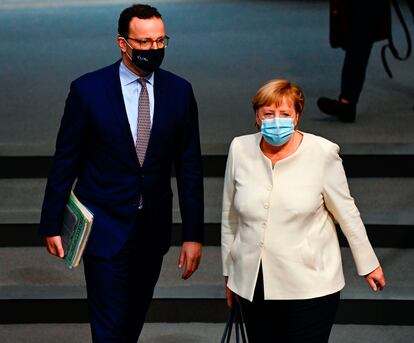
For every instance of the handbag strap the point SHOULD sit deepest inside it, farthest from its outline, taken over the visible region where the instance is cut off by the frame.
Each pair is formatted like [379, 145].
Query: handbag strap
[229, 325]
[391, 44]
[235, 317]
[241, 323]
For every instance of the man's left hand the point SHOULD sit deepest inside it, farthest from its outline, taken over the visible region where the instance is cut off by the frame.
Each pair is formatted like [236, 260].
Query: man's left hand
[190, 256]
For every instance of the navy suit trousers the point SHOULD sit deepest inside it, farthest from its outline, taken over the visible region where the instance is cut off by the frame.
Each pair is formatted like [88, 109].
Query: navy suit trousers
[120, 289]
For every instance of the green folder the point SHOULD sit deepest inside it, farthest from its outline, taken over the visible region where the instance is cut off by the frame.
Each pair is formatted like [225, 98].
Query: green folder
[76, 227]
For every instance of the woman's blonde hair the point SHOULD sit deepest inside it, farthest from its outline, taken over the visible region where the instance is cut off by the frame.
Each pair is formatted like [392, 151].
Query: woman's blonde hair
[274, 91]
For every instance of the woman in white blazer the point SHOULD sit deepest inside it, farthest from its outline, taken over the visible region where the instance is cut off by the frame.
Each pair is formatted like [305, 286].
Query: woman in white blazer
[283, 189]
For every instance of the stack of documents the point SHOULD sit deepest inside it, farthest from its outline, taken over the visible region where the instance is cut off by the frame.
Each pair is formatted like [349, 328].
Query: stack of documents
[76, 227]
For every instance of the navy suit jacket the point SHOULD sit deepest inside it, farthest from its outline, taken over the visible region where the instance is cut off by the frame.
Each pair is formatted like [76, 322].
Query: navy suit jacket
[95, 147]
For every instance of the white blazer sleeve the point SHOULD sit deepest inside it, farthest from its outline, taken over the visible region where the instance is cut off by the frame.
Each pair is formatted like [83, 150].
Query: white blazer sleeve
[229, 218]
[341, 205]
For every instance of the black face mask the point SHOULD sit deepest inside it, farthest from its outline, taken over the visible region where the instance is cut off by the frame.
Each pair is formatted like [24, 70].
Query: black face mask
[147, 60]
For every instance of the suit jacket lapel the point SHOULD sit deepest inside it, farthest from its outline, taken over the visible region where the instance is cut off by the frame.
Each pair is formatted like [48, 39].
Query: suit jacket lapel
[115, 91]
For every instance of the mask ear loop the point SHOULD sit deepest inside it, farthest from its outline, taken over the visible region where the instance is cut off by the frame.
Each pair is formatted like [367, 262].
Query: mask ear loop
[256, 123]
[297, 122]
[126, 52]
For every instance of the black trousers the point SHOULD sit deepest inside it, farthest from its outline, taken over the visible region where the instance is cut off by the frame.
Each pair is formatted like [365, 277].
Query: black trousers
[357, 49]
[288, 321]
[120, 290]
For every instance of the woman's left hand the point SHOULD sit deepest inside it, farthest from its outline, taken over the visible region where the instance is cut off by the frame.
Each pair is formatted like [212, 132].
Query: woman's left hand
[376, 279]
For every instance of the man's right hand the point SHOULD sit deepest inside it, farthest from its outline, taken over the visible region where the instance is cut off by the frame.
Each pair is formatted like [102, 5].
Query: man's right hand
[54, 246]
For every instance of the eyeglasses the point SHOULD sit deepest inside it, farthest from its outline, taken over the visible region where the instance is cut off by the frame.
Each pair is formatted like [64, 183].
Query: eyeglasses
[148, 43]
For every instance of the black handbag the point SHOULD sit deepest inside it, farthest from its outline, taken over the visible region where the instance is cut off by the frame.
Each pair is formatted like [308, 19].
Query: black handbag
[235, 319]
[378, 18]
[343, 13]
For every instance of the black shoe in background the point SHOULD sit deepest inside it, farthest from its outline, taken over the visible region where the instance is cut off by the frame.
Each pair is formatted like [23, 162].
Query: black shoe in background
[344, 112]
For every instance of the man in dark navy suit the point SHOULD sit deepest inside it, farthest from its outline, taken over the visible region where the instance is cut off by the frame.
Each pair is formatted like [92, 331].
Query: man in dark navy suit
[123, 128]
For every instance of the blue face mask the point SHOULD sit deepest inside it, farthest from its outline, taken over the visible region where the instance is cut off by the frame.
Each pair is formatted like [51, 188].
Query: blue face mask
[277, 131]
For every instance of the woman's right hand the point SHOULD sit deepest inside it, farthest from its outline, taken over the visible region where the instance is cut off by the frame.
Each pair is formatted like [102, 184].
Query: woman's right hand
[229, 293]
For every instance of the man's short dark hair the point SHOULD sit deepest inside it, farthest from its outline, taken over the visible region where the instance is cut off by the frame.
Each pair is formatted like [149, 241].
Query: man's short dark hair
[137, 10]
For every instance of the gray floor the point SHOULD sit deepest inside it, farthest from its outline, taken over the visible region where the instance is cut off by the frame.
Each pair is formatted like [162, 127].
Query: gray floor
[192, 333]
[49, 278]
[227, 49]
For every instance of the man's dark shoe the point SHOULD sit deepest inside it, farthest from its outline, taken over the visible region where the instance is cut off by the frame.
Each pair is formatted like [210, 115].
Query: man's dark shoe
[344, 112]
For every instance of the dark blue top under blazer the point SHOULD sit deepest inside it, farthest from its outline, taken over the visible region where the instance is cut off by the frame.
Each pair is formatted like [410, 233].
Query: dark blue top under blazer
[95, 146]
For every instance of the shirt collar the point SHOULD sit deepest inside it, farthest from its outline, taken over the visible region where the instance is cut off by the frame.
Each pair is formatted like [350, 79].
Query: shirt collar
[128, 76]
